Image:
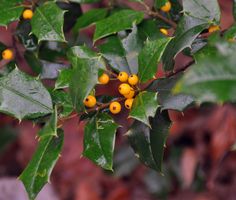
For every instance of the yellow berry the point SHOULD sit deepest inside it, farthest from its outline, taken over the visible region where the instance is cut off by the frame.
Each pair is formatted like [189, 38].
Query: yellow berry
[28, 14]
[7, 54]
[130, 94]
[90, 101]
[115, 107]
[129, 103]
[164, 31]
[123, 77]
[133, 79]
[104, 79]
[166, 7]
[213, 28]
[124, 88]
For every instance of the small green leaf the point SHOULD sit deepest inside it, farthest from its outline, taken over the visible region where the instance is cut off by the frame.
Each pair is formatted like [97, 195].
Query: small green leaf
[119, 21]
[63, 79]
[39, 169]
[50, 128]
[23, 96]
[99, 140]
[86, 65]
[149, 58]
[159, 3]
[10, 11]
[47, 22]
[144, 106]
[89, 18]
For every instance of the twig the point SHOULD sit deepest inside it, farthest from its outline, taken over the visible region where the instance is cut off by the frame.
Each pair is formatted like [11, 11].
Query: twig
[156, 14]
[180, 70]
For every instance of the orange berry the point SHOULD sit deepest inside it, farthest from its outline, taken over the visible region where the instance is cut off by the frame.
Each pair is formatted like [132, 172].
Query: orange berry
[28, 14]
[166, 7]
[129, 103]
[124, 88]
[133, 79]
[104, 79]
[115, 107]
[213, 28]
[130, 94]
[164, 31]
[90, 101]
[7, 54]
[123, 77]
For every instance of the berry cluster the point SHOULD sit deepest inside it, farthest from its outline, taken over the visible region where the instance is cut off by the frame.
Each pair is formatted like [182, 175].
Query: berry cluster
[126, 88]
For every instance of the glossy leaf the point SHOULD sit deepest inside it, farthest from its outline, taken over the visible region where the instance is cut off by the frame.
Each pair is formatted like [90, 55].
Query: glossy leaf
[10, 11]
[144, 106]
[23, 96]
[148, 142]
[119, 21]
[150, 57]
[50, 128]
[99, 140]
[47, 22]
[166, 99]
[39, 169]
[63, 79]
[212, 79]
[86, 65]
[33, 61]
[89, 18]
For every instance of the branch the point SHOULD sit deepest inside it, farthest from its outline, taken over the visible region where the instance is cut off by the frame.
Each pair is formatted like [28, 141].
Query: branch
[186, 66]
[156, 14]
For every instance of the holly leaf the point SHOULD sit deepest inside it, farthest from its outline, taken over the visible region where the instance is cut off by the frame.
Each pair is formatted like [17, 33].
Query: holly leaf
[39, 169]
[148, 143]
[119, 21]
[22, 96]
[166, 99]
[86, 65]
[144, 106]
[89, 18]
[50, 128]
[149, 58]
[47, 23]
[212, 79]
[10, 11]
[63, 79]
[99, 140]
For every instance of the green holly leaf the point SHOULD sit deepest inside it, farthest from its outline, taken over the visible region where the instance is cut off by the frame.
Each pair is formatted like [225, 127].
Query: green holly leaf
[121, 20]
[148, 143]
[144, 106]
[212, 79]
[10, 11]
[99, 140]
[39, 169]
[89, 18]
[86, 65]
[50, 128]
[63, 79]
[149, 58]
[22, 96]
[33, 61]
[47, 22]
[166, 99]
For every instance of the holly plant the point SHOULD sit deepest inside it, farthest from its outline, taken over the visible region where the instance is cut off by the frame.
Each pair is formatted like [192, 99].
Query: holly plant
[108, 64]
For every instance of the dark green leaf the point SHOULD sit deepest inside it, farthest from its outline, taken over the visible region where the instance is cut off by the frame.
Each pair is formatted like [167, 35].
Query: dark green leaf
[99, 140]
[89, 18]
[33, 61]
[119, 21]
[23, 96]
[63, 79]
[150, 57]
[50, 128]
[39, 169]
[10, 11]
[47, 22]
[144, 106]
